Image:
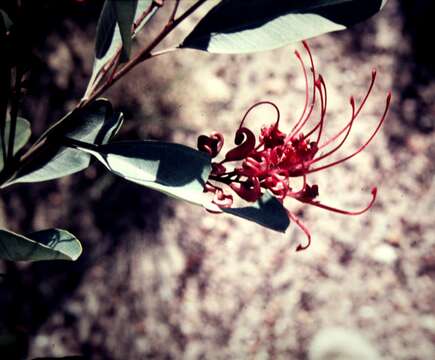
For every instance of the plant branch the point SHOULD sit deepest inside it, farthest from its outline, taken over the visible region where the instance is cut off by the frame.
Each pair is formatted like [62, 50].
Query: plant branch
[115, 59]
[174, 11]
[162, 52]
[145, 54]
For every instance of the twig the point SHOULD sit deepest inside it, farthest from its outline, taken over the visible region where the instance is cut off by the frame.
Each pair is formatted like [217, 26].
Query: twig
[162, 52]
[144, 54]
[174, 11]
[115, 59]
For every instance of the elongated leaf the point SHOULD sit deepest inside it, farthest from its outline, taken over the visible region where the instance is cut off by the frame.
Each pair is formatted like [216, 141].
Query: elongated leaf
[111, 37]
[174, 169]
[93, 124]
[115, 16]
[125, 11]
[50, 244]
[6, 21]
[105, 29]
[22, 135]
[241, 26]
[267, 211]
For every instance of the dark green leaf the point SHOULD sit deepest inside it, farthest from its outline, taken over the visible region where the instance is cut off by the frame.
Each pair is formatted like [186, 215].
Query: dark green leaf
[93, 124]
[22, 135]
[125, 11]
[111, 37]
[6, 22]
[241, 26]
[105, 29]
[50, 244]
[174, 169]
[267, 211]
[115, 26]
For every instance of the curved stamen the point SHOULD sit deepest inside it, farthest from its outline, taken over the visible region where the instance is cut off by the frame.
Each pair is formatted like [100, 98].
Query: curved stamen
[372, 83]
[323, 106]
[265, 102]
[299, 192]
[345, 212]
[221, 199]
[357, 111]
[349, 128]
[307, 89]
[321, 87]
[302, 121]
[302, 226]
[248, 190]
[362, 147]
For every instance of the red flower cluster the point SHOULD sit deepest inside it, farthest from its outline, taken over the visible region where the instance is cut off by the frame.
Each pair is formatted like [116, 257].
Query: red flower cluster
[271, 163]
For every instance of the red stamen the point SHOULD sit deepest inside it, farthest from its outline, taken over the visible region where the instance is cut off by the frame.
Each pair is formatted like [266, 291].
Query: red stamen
[323, 107]
[297, 193]
[349, 128]
[302, 226]
[258, 104]
[278, 158]
[221, 199]
[345, 212]
[372, 83]
[362, 147]
[356, 112]
[301, 123]
[321, 86]
[307, 89]
[249, 190]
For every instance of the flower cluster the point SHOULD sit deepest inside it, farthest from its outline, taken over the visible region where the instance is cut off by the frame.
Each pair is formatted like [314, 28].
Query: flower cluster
[273, 161]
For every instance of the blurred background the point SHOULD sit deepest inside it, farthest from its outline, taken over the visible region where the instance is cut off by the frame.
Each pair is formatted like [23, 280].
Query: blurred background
[162, 279]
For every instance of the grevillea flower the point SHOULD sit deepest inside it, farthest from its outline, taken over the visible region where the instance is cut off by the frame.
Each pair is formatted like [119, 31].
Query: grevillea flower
[273, 161]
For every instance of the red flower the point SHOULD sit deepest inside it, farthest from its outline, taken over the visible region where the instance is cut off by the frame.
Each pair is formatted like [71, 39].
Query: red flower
[278, 158]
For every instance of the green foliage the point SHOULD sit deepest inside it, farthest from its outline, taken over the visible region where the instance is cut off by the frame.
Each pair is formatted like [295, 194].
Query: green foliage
[240, 26]
[173, 169]
[114, 31]
[180, 172]
[105, 29]
[50, 244]
[267, 211]
[5, 21]
[125, 11]
[22, 135]
[116, 16]
[96, 123]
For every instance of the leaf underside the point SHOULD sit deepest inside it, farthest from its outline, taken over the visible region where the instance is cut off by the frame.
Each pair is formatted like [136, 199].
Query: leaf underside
[94, 124]
[50, 244]
[240, 26]
[174, 169]
[22, 135]
[267, 211]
